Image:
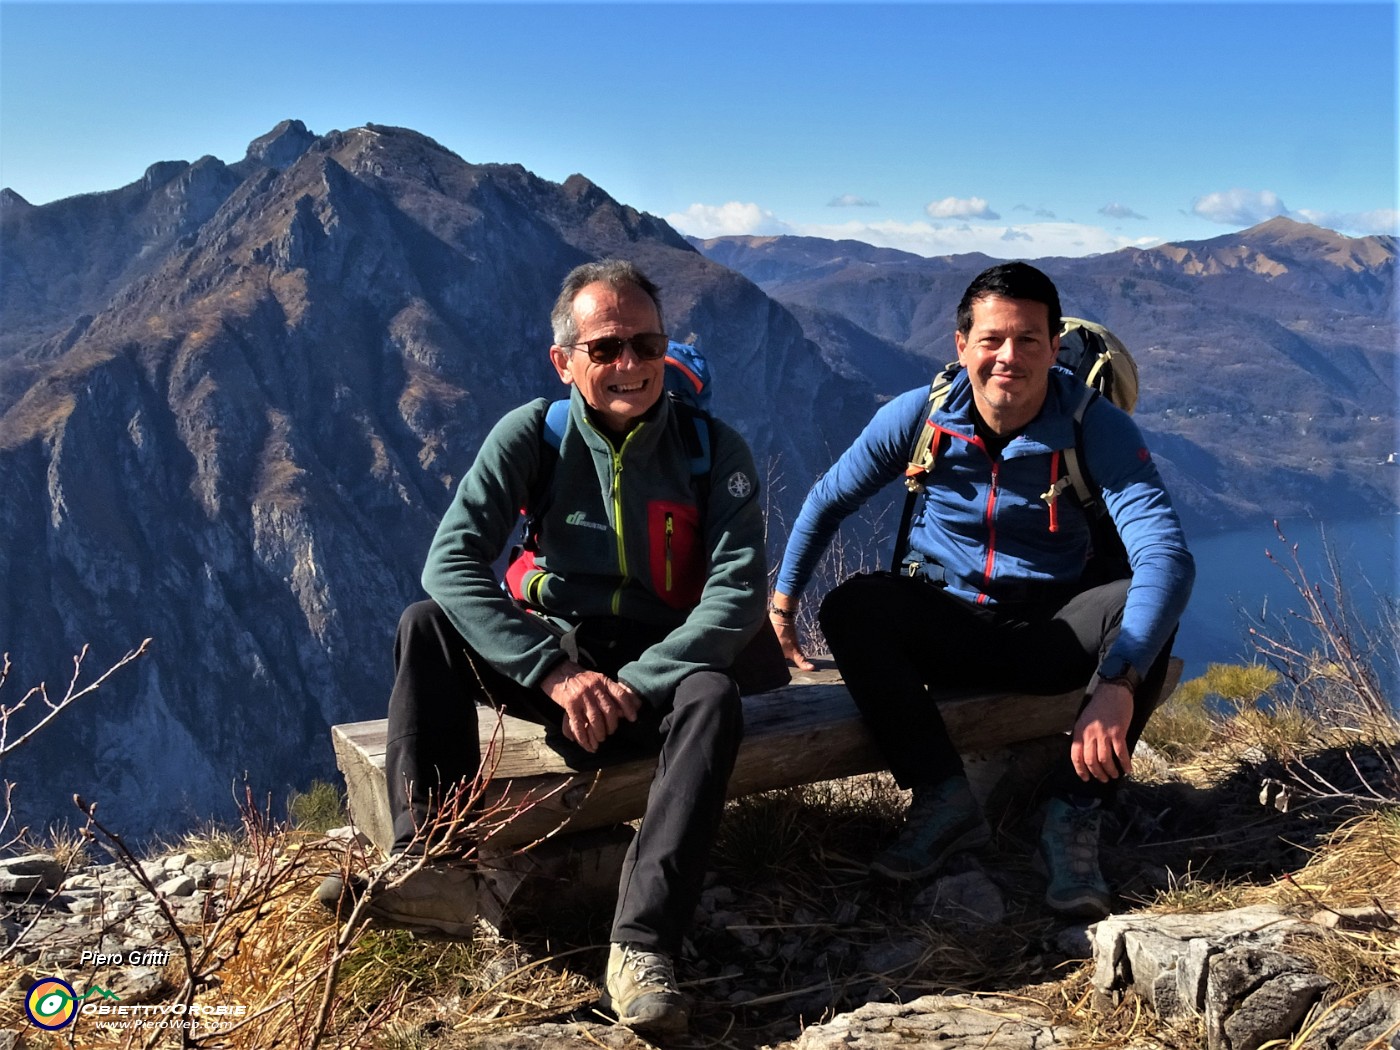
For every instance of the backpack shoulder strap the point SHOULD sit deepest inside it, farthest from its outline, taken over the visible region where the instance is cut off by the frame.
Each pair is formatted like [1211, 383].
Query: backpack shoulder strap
[1076, 469]
[556, 421]
[925, 450]
[695, 433]
[921, 459]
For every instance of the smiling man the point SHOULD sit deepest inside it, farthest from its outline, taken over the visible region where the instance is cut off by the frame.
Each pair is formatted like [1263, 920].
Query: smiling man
[640, 587]
[995, 592]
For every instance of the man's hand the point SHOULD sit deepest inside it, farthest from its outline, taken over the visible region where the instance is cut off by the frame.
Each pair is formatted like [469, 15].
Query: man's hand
[786, 631]
[1100, 743]
[594, 704]
[782, 614]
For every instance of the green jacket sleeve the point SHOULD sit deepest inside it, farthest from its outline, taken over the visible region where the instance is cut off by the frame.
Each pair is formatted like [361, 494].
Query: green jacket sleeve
[474, 532]
[732, 603]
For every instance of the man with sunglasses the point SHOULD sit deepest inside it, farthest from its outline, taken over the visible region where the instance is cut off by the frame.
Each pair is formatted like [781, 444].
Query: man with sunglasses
[639, 596]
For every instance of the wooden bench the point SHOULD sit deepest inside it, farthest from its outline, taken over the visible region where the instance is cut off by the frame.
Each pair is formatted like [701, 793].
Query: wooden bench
[803, 733]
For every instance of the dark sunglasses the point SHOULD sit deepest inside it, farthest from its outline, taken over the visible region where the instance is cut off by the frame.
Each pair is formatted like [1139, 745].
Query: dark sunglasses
[648, 346]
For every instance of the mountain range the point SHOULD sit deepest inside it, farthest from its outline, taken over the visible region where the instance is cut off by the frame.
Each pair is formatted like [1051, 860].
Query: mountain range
[236, 398]
[1268, 358]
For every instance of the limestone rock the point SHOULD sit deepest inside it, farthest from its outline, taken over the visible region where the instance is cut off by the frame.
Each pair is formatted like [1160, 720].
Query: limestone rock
[952, 1022]
[1256, 995]
[1373, 1020]
[44, 870]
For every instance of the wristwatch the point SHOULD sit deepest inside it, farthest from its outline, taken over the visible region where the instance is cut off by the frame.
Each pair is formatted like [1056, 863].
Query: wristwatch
[1117, 670]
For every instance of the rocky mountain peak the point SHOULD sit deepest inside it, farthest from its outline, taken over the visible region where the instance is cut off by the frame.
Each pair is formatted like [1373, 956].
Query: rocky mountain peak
[246, 395]
[1281, 247]
[161, 172]
[281, 146]
[9, 199]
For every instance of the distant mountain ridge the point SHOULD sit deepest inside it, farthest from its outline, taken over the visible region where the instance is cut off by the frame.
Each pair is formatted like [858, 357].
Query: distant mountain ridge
[1269, 357]
[235, 399]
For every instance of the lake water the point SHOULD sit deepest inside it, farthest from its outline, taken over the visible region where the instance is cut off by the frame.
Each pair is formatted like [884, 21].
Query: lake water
[1236, 581]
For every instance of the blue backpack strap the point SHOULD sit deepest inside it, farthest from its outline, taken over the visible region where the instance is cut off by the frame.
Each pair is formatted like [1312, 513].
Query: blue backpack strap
[556, 421]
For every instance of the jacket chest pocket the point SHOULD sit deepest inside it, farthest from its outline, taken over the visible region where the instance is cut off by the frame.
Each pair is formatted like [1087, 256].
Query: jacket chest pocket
[678, 566]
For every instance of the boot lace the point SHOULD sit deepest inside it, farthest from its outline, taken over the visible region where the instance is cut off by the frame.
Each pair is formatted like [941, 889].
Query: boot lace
[650, 968]
[1082, 847]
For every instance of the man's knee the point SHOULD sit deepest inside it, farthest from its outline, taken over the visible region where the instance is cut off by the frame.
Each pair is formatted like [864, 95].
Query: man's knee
[425, 617]
[712, 699]
[854, 602]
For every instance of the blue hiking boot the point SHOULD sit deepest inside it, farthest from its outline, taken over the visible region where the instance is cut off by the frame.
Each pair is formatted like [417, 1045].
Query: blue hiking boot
[1069, 858]
[942, 820]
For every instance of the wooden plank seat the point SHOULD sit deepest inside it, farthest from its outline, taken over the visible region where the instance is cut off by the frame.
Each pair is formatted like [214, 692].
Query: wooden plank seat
[802, 733]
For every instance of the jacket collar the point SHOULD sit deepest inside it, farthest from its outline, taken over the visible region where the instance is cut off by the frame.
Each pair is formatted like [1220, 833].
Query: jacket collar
[643, 437]
[1051, 429]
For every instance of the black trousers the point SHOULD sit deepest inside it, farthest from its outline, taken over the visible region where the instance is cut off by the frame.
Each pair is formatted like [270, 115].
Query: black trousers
[432, 745]
[895, 638]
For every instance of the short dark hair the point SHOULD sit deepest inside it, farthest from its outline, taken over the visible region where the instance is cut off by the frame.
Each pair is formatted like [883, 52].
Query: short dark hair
[616, 273]
[1013, 280]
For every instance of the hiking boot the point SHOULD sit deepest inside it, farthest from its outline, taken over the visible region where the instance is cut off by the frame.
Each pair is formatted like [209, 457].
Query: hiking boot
[1069, 858]
[941, 821]
[641, 991]
[437, 900]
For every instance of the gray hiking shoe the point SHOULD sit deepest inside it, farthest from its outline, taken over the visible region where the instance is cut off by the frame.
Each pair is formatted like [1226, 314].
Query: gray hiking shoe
[1069, 858]
[941, 821]
[641, 991]
[437, 900]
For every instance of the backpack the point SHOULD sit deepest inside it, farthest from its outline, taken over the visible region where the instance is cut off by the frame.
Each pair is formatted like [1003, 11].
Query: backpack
[687, 383]
[1099, 360]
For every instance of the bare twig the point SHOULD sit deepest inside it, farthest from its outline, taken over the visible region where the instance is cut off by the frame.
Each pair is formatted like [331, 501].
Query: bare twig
[1335, 673]
[73, 695]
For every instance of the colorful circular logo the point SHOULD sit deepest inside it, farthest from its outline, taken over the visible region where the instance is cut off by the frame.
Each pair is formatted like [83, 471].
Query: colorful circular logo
[51, 1003]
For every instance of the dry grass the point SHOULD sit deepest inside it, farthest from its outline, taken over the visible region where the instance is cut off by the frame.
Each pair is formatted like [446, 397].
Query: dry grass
[319, 808]
[794, 861]
[796, 931]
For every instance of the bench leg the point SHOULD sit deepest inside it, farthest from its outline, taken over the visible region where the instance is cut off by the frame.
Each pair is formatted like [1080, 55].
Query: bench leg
[561, 878]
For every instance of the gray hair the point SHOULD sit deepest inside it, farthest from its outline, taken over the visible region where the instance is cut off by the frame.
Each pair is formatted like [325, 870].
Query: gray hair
[615, 273]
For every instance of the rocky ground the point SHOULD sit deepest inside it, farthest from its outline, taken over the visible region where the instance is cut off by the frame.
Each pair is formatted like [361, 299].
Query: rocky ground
[795, 947]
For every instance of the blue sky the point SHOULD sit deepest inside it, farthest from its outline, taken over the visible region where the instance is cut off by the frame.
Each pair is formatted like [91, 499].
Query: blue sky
[1020, 130]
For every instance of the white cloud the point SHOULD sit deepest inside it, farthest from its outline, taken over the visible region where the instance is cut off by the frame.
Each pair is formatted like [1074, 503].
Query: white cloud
[960, 208]
[999, 240]
[850, 200]
[727, 220]
[1032, 240]
[1239, 207]
[1382, 220]
[1250, 207]
[1119, 211]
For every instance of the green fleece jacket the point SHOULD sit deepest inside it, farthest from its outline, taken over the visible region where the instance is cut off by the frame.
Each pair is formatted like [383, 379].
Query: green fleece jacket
[622, 536]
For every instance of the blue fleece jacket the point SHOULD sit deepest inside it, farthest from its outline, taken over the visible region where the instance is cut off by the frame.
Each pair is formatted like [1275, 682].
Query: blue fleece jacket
[986, 520]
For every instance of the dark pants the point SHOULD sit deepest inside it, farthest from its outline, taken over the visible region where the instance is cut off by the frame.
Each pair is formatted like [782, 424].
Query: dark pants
[895, 638]
[432, 745]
